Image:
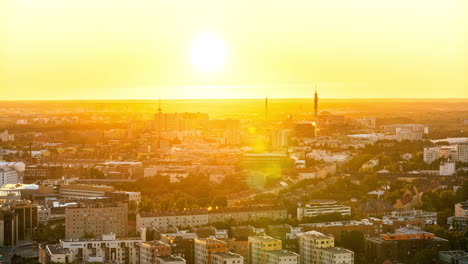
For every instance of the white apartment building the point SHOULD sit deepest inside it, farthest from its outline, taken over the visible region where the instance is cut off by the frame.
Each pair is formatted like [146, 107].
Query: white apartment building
[4, 136]
[108, 248]
[83, 191]
[9, 176]
[226, 258]
[165, 220]
[456, 152]
[461, 209]
[311, 210]
[336, 255]
[447, 168]
[282, 257]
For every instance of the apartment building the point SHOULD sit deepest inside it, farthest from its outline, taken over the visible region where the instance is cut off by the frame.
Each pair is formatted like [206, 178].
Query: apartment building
[164, 220]
[259, 247]
[84, 191]
[311, 210]
[226, 258]
[107, 248]
[152, 249]
[310, 244]
[336, 255]
[96, 219]
[282, 257]
[205, 248]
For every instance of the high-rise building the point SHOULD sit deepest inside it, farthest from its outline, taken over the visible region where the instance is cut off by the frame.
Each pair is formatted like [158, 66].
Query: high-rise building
[96, 219]
[462, 151]
[18, 220]
[205, 248]
[310, 244]
[259, 247]
[280, 138]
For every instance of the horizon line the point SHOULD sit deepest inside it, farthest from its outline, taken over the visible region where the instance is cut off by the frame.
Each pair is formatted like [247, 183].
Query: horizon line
[251, 98]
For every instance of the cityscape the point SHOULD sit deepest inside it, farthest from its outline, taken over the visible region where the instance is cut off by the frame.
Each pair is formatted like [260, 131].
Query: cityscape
[247, 132]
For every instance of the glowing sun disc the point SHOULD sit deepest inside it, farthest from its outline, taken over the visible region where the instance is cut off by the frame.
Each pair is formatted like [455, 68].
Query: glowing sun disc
[208, 52]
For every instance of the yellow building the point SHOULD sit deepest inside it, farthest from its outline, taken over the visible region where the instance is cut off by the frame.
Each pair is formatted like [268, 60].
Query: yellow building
[310, 244]
[259, 247]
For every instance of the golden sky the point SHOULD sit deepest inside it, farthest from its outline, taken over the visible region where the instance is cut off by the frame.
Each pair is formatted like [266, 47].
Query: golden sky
[115, 49]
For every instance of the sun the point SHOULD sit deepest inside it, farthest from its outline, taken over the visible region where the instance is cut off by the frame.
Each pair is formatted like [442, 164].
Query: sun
[208, 52]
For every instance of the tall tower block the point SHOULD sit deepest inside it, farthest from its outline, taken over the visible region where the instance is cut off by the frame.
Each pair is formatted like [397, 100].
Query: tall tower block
[316, 106]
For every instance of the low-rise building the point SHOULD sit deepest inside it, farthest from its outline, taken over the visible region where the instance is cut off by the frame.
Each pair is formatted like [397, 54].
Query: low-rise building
[336, 255]
[226, 258]
[401, 246]
[108, 248]
[282, 257]
[316, 209]
[453, 256]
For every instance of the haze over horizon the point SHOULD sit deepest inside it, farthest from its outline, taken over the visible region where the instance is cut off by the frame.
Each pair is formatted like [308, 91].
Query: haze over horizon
[242, 49]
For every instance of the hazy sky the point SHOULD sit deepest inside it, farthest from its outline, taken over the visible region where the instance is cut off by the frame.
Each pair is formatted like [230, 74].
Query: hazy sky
[111, 49]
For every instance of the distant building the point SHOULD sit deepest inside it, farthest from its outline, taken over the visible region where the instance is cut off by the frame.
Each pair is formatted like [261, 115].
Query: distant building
[121, 169]
[84, 191]
[458, 223]
[265, 159]
[337, 228]
[280, 138]
[453, 256]
[96, 219]
[9, 176]
[4, 136]
[311, 210]
[461, 209]
[166, 219]
[374, 208]
[447, 168]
